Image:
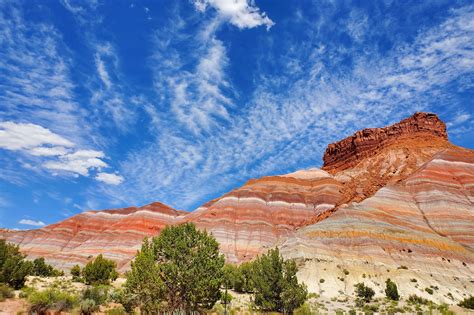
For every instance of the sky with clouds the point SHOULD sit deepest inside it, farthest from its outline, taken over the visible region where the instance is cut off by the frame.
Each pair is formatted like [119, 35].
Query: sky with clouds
[106, 104]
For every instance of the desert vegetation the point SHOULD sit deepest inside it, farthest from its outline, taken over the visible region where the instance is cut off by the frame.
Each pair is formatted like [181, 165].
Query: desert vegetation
[182, 271]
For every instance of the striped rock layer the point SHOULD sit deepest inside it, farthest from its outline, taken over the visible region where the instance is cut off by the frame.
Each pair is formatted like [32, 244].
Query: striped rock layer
[115, 233]
[254, 217]
[424, 223]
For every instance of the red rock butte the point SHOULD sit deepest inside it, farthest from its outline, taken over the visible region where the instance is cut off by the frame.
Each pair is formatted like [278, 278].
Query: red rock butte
[364, 143]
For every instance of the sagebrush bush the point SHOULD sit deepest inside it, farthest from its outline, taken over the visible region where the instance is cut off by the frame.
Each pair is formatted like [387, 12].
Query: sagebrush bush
[116, 311]
[51, 300]
[99, 294]
[88, 306]
[5, 292]
[415, 299]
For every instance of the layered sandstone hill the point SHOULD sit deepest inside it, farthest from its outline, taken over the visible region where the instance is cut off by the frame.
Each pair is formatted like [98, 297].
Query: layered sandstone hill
[115, 233]
[421, 227]
[386, 197]
[257, 215]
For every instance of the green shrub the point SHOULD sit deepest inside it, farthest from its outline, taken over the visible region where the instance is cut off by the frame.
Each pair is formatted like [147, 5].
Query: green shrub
[13, 266]
[42, 269]
[346, 272]
[50, 300]
[364, 292]
[429, 290]
[98, 294]
[116, 311]
[226, 298]
[321, 280]
[391, 290]
[244, 278]
[415, 299]
[403, 267]
[413, 280]
[444, 309]
[5, 292]
[370, 309]
[313, 295]
[180, 270]
[88, 306]
[304, 309]
[25, 292]
[125, 298]
[467, 303]
[99, 271]
[275, 283]
[76, 273]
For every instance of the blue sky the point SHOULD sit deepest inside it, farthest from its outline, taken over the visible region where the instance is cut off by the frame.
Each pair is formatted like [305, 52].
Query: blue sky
[114, 103]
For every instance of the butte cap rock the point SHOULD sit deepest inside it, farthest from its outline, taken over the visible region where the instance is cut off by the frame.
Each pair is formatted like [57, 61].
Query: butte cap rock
[349, 151]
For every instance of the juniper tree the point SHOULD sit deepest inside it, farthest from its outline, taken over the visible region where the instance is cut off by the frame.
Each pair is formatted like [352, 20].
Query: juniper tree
[185, 267]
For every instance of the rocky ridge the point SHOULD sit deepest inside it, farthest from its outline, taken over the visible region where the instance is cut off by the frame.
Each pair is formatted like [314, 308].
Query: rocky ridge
[364, 143]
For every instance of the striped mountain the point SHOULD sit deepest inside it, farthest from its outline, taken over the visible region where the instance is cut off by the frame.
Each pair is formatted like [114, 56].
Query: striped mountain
[385, 198]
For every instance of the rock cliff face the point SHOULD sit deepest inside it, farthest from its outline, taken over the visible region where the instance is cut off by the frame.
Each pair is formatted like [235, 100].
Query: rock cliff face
[364, 143]
[386, 197]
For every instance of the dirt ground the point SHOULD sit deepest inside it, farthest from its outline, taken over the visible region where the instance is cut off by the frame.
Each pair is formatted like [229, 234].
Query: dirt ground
[13, 306]
[240, 303]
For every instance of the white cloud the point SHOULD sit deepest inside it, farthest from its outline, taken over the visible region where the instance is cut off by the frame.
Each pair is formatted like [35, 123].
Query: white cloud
[458, 119]
[109, 178]
[31, 222]
[102, 71]
[241, 13]
[198, 97]
[79, 162]
[38, 141]
[107, 96]
[24, 136]
[48, 151]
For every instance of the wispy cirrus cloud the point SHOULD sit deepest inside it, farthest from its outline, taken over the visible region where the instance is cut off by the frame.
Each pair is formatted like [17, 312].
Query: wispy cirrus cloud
[198, 95]
[36, 83]
[107, 94]
[293, 115]
[37, 89]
